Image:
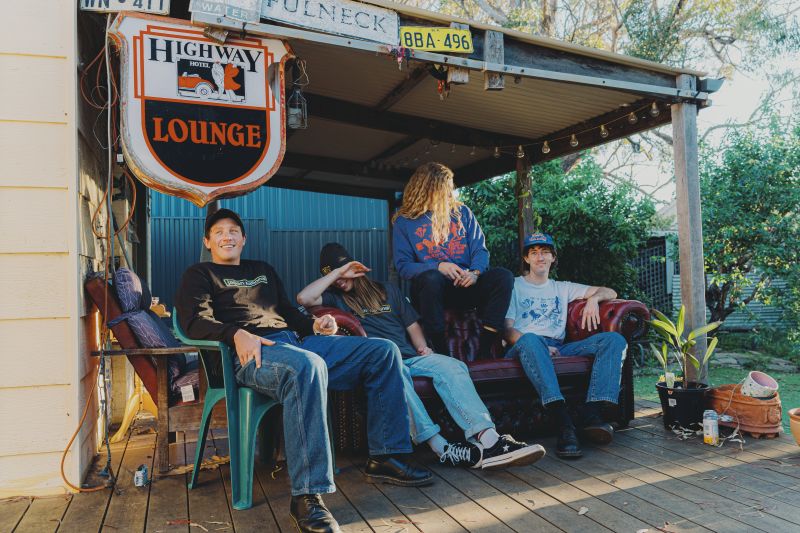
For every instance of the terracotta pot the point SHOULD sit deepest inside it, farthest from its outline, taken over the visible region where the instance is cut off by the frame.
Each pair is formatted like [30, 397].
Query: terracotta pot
[794, 424]
[757, 416]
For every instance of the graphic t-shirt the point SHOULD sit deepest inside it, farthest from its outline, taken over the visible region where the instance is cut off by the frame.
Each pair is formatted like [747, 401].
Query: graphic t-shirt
[388, 322]
[542, 309]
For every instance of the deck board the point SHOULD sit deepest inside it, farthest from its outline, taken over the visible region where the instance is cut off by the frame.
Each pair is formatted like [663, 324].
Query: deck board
[646, 479]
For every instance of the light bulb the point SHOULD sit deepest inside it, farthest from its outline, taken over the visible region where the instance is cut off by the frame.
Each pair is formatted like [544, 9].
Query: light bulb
[496, 152]
[472, 152]
[603, 131]
[573, 141]
[632, 118]
[453, 149]
[545, 148]
[520, 152]
[654, 110]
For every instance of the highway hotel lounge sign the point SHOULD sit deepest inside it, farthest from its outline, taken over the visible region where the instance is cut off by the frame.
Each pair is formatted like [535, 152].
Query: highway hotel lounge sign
[200, 120]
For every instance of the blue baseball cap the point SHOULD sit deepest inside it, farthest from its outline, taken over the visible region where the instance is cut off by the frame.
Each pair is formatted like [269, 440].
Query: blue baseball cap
[539, 239]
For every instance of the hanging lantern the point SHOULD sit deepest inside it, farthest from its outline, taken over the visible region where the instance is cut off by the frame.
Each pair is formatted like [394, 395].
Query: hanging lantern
[297, 110]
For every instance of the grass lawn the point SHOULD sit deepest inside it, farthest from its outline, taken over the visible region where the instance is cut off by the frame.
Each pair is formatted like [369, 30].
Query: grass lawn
[645, 385]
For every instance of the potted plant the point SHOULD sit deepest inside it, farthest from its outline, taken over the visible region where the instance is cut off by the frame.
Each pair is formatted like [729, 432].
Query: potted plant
[681, 400]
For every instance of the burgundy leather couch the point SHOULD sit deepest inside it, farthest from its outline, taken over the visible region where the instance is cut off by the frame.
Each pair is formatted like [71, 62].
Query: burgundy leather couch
[501, 382]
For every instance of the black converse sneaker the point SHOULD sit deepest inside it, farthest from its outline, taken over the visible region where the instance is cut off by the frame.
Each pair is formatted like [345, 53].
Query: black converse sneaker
[508, 452]
[461, 454]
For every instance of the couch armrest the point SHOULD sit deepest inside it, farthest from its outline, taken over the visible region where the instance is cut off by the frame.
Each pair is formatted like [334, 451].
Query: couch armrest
[346, 321]
[626, 317]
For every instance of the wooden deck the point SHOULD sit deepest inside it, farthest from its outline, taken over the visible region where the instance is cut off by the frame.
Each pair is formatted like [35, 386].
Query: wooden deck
[645, 480]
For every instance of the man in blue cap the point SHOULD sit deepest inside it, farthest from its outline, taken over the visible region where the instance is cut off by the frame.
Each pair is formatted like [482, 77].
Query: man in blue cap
[535, 328]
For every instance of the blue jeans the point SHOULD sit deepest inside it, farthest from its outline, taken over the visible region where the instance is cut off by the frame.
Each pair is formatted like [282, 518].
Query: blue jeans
[451, 380]
[608, 350]
[298, 373]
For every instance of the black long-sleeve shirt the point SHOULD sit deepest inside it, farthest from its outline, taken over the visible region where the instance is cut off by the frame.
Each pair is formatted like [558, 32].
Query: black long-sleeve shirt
[214, 301]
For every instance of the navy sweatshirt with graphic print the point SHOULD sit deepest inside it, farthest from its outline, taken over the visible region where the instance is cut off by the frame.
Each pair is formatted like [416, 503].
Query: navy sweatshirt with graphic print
[414, 251]
[215, 301]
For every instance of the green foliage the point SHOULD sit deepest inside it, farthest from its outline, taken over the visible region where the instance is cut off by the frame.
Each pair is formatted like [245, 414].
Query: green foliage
[751, 222]
[680, 347]
[599, 228]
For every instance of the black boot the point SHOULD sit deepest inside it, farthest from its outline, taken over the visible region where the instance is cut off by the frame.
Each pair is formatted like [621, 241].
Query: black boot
[487, 340]
[567, 444]
[387, 469]
[310, 515]
[595, 430]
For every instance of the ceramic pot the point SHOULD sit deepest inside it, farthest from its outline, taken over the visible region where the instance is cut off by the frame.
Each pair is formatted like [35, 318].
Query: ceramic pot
[757, 416]
[681, 406]
[759, 385]
[794, 424]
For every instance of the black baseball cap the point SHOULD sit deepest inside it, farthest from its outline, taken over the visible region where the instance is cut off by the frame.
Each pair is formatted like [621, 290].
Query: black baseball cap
[332, 256]
[218, 215]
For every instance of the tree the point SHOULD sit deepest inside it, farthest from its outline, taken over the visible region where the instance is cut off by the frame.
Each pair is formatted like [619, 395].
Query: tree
[751, 217]
[599, 228]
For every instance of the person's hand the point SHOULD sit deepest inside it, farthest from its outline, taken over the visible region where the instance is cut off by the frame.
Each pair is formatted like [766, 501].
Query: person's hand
[553, 351]
[248, 346]
[590, 318]
[325, 325]
[468, 279]
[353, 269]
[451, 271]
[425, 350]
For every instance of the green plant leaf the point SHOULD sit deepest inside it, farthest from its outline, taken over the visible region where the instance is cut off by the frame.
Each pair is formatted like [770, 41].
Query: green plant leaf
[666, 327]
[681, 321]
[710, 350]
[692, 359]
[661, 316]
[658, 355]
[703, 329]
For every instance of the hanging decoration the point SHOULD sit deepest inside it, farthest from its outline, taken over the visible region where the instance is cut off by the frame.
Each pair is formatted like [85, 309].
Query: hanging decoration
[400, 54]
[296, 106]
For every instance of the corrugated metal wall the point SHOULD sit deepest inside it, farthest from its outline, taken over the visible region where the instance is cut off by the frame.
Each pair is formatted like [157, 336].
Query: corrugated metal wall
[284, 227]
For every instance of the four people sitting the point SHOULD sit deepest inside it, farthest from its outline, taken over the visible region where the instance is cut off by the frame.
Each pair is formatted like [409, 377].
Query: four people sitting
[440, 247]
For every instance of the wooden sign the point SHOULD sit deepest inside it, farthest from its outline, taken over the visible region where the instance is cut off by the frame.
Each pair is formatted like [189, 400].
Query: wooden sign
[340, 17]
[243, 10]
[200, 120]
[114, 6]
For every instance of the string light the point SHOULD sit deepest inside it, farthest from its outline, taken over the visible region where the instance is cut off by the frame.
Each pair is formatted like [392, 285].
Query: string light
[632, 118]
[453, 149]
[573, 141]
[546, 148]
[603, 131]
[472, 152]
[654, 110]
[520, 152]
[496, 152]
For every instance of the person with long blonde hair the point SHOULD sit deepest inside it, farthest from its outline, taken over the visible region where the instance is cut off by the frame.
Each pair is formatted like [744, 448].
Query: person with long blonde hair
[439, 246]
[385, 313]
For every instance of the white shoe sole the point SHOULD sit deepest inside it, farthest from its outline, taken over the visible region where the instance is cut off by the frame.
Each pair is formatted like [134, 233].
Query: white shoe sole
[523, 456]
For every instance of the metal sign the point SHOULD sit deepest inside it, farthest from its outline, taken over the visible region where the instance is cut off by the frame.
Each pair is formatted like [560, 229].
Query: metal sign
[242, 10]
[113, 6]
[340, 17]
[199, 120]
[436, 39]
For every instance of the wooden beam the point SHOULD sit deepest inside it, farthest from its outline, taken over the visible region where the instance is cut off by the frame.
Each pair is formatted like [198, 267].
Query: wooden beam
[493, 53]
[483, 169]
[343, 166]
[419, 127]
[690, 220]
[403, 88]
[305, 184]
[396, 148]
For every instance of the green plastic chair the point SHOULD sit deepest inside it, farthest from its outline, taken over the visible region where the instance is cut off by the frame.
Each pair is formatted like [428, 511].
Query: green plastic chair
[244, 409]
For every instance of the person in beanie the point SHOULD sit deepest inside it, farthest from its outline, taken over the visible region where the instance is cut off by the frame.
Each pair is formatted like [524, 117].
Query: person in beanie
[440, 247]
[294, 359]
[535, 327]
[385, 313]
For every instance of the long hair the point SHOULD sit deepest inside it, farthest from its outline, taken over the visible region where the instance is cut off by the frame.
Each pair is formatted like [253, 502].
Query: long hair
[430, 190]
[366, 295]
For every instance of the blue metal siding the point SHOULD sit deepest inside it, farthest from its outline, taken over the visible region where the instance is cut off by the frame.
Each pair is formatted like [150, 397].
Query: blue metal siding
[284, 227]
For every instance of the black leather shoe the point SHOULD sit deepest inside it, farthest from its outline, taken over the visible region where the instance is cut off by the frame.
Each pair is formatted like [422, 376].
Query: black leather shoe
[310, 515]
[567, 445]
[597, 432]
[395, 472]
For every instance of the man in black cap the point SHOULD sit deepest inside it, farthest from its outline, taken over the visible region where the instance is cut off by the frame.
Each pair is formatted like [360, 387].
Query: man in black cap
[295, 359]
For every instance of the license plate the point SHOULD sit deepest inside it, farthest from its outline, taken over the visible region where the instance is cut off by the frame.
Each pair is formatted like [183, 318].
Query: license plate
[436, 39]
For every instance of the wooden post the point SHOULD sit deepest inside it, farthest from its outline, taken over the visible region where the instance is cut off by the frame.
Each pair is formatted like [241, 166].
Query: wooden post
[522, 189]
[690, 222]
[493, 52]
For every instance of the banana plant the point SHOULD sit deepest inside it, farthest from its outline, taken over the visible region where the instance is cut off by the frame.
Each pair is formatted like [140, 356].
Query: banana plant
[680, 348]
